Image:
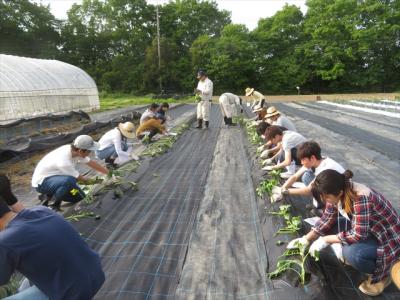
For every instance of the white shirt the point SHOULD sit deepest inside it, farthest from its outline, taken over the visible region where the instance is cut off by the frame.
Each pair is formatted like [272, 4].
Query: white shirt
[232, 98]
[206, 88]
[257, 97]
[113, 137]
[328, 164]
[147, 114]
[285, 122]
[57, 162]
[291, 139]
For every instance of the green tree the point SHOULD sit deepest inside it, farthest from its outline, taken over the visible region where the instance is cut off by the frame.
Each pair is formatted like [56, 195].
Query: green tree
[278, 57]
[27, 29]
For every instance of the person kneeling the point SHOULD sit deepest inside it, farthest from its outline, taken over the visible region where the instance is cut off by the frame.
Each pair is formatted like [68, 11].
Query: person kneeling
[114, 148]
[56, 174]
[152, 127]
[370, 239]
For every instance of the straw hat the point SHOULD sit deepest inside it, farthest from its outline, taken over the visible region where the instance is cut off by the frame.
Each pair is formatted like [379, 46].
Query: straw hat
[127, 129]
[257, 108]
[271, 111]
[249, 91]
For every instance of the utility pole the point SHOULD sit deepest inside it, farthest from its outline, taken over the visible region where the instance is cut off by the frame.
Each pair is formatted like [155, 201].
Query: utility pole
[159, 49]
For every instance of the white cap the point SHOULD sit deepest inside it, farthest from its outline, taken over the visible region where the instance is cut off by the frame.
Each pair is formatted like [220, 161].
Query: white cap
[85, 142]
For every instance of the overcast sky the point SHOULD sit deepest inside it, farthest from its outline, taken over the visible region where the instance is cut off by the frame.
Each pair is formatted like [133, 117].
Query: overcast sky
[246, 12]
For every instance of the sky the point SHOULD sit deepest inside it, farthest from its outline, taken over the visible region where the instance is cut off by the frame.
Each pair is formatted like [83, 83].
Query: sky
[246, 12]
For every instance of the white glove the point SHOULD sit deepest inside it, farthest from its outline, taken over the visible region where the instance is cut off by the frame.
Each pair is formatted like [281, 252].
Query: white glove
[318, 245]
[277, 190]
[276, 198]
[261, 148]
[293, 243]
[134, 156]
[338, 250]
[268, 161]
[267, 168]
[265, 153]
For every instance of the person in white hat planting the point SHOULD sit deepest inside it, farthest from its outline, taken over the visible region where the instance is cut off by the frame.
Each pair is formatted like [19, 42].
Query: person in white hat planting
[274, 117]
[205, 91]
[258, 98]
[56, 175]
[229, 105]
[114, 147]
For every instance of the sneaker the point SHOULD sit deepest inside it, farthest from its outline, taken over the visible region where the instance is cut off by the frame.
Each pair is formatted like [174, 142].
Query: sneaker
[374, 289]
[286, 175]
[44, 199]
[395, 274]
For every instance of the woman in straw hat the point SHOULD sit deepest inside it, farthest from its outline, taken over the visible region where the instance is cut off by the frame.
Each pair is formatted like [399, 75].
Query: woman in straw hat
[274, 117]
[114, 147]
[258, 98]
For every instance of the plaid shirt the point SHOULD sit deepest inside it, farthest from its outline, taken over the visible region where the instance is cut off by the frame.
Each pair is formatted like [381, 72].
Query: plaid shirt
[371, 215]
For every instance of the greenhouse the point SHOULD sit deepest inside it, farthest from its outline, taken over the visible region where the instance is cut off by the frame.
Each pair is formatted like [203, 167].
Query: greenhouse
[35, 87]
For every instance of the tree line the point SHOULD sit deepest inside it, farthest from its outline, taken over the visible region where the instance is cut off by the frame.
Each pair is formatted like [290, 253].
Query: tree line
[337, 46]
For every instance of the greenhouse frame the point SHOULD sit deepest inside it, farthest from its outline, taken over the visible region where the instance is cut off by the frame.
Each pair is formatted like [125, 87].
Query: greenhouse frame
[32, 87]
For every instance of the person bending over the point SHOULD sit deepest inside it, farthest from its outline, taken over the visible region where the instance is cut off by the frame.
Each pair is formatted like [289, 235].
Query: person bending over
[56, 175]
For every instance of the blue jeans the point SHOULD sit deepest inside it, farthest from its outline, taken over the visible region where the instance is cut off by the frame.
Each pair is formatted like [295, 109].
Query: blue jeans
[62, 188]
[307, 177]
[362, 255]
[32, 293]
[110, 152]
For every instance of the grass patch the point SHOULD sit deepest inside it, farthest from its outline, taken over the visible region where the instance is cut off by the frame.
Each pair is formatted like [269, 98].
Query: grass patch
[113, 101]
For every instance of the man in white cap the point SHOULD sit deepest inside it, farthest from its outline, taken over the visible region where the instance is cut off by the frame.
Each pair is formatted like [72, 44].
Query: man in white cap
[56, 174]
[205, 91]
[229, 105]
[274, 117]
[258, 98]
[114, 147]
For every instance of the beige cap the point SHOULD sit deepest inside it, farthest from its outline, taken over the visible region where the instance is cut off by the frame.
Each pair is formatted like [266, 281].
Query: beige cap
[86, 142]
[271, 111]
[127, 129]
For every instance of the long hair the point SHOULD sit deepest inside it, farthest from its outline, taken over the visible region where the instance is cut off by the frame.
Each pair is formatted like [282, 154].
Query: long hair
[332, 182]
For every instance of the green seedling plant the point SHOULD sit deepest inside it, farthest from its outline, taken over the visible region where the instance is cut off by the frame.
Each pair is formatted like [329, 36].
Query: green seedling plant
[265, 187]
[293, 225]
[284, 211]
[164, 144]
[10, 288]
[83, 215]
[288, 262]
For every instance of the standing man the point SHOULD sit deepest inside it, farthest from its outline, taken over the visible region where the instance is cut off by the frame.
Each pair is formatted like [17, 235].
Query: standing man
[205, 91]
[56, 174]
[229, 105]
[48, 251]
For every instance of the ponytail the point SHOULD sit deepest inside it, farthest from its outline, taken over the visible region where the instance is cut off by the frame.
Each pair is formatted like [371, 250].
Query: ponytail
[332, 182]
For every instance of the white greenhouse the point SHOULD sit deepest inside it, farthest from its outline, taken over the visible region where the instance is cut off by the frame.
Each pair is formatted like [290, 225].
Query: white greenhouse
[34, 87]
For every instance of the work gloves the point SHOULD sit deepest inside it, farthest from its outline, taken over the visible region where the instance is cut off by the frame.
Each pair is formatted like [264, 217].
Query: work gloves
[265, 153]
[268, 168]
[261, 148]
[268, 161]
[317, 246]
[278, 193]
[293, 244]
